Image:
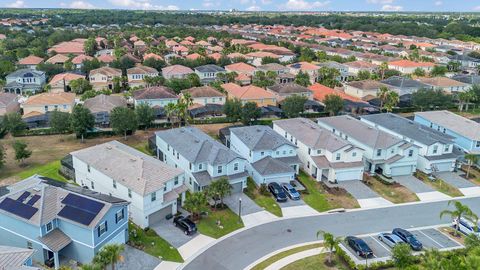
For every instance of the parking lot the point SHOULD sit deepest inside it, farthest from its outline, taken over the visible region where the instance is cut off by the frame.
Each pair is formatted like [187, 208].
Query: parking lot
[430, 238]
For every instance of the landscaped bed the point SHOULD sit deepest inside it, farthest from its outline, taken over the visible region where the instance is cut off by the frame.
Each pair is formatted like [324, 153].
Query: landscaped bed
[317, 262]
[317, 197]
[440, 185]
[473, 174]
[264, 200]
[275, 258]
[393, 192]
[229, 222]
[152, 244]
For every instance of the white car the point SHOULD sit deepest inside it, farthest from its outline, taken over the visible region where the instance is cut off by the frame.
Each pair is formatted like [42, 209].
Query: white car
[466, 227]
[390, 239]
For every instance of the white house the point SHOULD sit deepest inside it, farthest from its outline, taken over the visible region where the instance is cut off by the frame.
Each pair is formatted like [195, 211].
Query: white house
[153, 188]
[435, 152]
[201, 157]
[271, 157]
[156, 96]
[137, 74]
[383, 153]
[324, 155]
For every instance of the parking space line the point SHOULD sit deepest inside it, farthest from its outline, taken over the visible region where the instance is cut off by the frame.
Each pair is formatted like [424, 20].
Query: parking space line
[380, 243]
[442, 246]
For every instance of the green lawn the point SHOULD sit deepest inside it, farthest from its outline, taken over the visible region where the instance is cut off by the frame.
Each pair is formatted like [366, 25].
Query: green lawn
[281, 255]
[48, 170]
[315, 199]
[395, 193]
[267, 202]
[317, 262]
[440, 185]
[143, 147]
[229, 222]
[160, 248]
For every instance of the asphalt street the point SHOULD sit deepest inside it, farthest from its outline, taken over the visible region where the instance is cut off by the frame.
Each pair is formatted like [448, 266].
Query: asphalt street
[240, 250]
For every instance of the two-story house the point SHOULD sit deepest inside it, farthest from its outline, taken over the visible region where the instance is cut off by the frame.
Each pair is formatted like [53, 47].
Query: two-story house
[137, 74]
[8, 103]
[383, 153]
[465, 131]
[436, 149]
[102, 78]
[285, 90]
[25, 81]
[208, 73]
[12, 258]
[271, 157]
[60, 221]
[201, 157]
[47, 102]
[153, 188]
[204, 95]
[156, 96]
[324, 155]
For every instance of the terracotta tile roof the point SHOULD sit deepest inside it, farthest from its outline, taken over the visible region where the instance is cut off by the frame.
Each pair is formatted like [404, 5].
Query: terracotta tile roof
[30, 60]
[236, 55]
[304, 66]
[176, 70]
[441, 82]
[187, 43]
[180, 49]
[141, 70]
[108, 71]
[246, 92]
[203, 91]
[75, 46]
[106, 58]
[215, 56]
[57, 59]
[80, 58]
[50, 98]
[152, 55]
[65, 76]
[240, 68]
[193, 56]
[261, 55]
[321, 91]
[361, 64]
[410, 64]
[202, 43]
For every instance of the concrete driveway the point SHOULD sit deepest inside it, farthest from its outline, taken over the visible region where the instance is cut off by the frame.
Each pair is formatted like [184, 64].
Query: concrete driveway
[298, 208]
[423, 191]
[252, 214]
[170, 233]
[365, 196]
[466, 187]
[136, 259]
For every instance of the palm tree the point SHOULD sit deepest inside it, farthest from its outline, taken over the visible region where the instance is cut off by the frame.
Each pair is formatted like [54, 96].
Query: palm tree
[392, 100]
[461, 211]
[183, 104]
[382, 95]
[472, 159]
[330, 241]
[196, 203]
[383, 67]
[109, 254]
[170, 111]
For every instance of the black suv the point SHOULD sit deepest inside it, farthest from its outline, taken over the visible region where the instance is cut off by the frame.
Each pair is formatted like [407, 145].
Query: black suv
[359, 246]
[277, 192]
[184, 223]
[408, 238]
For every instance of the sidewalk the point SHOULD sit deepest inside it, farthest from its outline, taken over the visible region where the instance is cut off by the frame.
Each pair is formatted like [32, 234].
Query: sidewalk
[295, 257]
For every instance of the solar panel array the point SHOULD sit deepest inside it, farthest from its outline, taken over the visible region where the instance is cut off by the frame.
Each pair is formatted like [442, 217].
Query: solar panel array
[80, 209]
[23, 196]
[33, 200]
[18, 208]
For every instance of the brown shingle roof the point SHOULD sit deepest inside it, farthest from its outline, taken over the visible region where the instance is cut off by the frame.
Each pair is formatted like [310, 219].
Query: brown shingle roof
[203, 91]
[156, 92]
[50, 98]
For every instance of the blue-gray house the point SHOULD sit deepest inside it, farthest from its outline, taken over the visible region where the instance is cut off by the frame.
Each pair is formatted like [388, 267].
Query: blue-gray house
[465, 131]
[60, 221]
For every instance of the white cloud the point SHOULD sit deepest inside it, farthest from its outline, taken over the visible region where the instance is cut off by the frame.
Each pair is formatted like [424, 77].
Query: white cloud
[303, 5]
[392, 8]
[211, 4]
[17, 4]
[438, 3]
[477, 8]
[141, 4]
[380, 1]
[253, 8]
[81, 5]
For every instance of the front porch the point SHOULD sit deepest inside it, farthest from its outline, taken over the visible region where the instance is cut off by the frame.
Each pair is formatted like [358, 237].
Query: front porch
[53, 243]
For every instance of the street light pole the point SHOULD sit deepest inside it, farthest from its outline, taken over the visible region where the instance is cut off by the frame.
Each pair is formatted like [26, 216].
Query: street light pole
[240, 209]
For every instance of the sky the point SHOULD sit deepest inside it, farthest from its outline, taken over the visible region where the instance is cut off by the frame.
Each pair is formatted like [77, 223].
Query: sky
[255, 5]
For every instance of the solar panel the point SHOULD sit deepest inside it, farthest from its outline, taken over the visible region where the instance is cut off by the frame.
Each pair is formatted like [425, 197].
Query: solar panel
[18, 208]
[23, 196]
[83, 203]
[77, 215]
[33, 200]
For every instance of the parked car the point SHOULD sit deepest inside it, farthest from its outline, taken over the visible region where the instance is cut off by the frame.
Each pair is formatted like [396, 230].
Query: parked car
[185, 224]
[292, 193]
[408, 238]
[466, 227]
[277, 192]
[359, 246]
[390, 239]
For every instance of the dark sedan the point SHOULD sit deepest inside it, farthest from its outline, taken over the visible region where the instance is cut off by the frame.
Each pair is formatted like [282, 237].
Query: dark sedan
[359, 246]
[277, 192]
[185, 224]
[408, 238]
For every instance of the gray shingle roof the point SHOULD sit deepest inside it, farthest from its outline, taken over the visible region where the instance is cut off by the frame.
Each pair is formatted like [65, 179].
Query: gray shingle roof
[312, 135]
[26, 72]
[409, 128]
[458, 124]
[141, 173]
[260, 137]
[209, 68]
[289, 88]
[403, 82]
[270, 166]
[196, 146]
[104, 103]
[468, 79]
[361, 131]
[155, 92]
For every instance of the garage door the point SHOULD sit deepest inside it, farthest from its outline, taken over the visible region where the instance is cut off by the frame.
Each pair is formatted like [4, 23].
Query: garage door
[159, 215]
[348, 175]
[401, 170]
[237, 187]
[444, 167]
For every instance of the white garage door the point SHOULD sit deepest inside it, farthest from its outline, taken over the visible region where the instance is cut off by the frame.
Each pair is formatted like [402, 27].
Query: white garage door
[159, 215]
[348, 175]
[401, 170]
[444, 167]
[237, 187]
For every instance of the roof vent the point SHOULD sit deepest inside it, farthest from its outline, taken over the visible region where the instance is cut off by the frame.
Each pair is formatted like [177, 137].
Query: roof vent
[133, 160]
[36, 189]
[109, 147]
[196, 141]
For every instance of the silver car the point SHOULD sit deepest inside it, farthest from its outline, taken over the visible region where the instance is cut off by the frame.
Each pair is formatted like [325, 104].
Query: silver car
[390, 239]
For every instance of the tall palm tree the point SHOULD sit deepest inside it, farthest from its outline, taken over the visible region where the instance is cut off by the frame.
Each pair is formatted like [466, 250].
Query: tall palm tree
[170, 111]
[184, 103]
[461, 211]
[330, 241]
[472, 159]
[382, 95]
[392, 100]
[383, 67]
[109, 254]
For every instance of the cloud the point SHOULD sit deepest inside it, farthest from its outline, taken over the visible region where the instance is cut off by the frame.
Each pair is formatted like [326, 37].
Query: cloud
[211, 3]
[477, 8]
[17, 4]
[392, 8]
[141, 4]
[438, 3]
[253, 8]
[81, 5]
[380, 1]
[303, 5]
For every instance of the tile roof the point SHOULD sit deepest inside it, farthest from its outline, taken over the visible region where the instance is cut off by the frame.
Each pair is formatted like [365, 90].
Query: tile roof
[260, 137]
[154, 92]
[272, 67]
[107, 71]
[141, 70]
[30, 60]
[209, 68]
[104, 103]
[320, 91]
[410, 64]
[262, 55]
[304, 66]
[80, 58]
[458, 124]
[289, 88]
[152, 55]
[366, 84]
[203, 91]
[55, 240]
[141, 173]
[50, 98]
[240, 67]
[106, 58]
[441, 82]
[246, 92]
[361, 64]
[66, 76]
[14, 257]
[75, 46]
[7, 98]
[57, 59]
[176, 70]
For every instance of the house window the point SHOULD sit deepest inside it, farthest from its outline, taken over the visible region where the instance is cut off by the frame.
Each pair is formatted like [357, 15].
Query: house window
[319, 151]
[291, 151]
[262, 153]
[284, 152]
[219, 169]
[200, 166]
[435, 149]
[153, 196]
[168, 147]
[295, 141]
[92, 185]
[46, 108]
[178, 156]
[354, 154]
[165, 188]
[235, 166]
[250, 153]
[379, 152]
[88, 168]
[309, 151]
[337, 157]
[49, 227]
[102, 228]
[176, 181]
[308, 164]
[410, 153]
[477, 144]
[278, 153]
[114, 184]
[190, 166]
[119, 216]
[190, 180]
[285, 134]
[129, 193]
[29, 245]
[446, 148]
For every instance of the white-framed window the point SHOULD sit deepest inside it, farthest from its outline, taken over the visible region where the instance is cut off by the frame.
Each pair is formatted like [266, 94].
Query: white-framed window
[477, 144]
[129, 193]
[153, 196]
[29, 245]
[235, 166]
[354, 154]
[88, 168]
[200, 166]
[446, 148]
[102, 228]
[337, 157]
[219, 169]
[92, 185]
[379, 152]
[308, 164]
[119, 216]
[410, 153]
[49, 226]
[114, 183]
[319, 151]
[435, 149]
[175, 182]
[262, 153]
